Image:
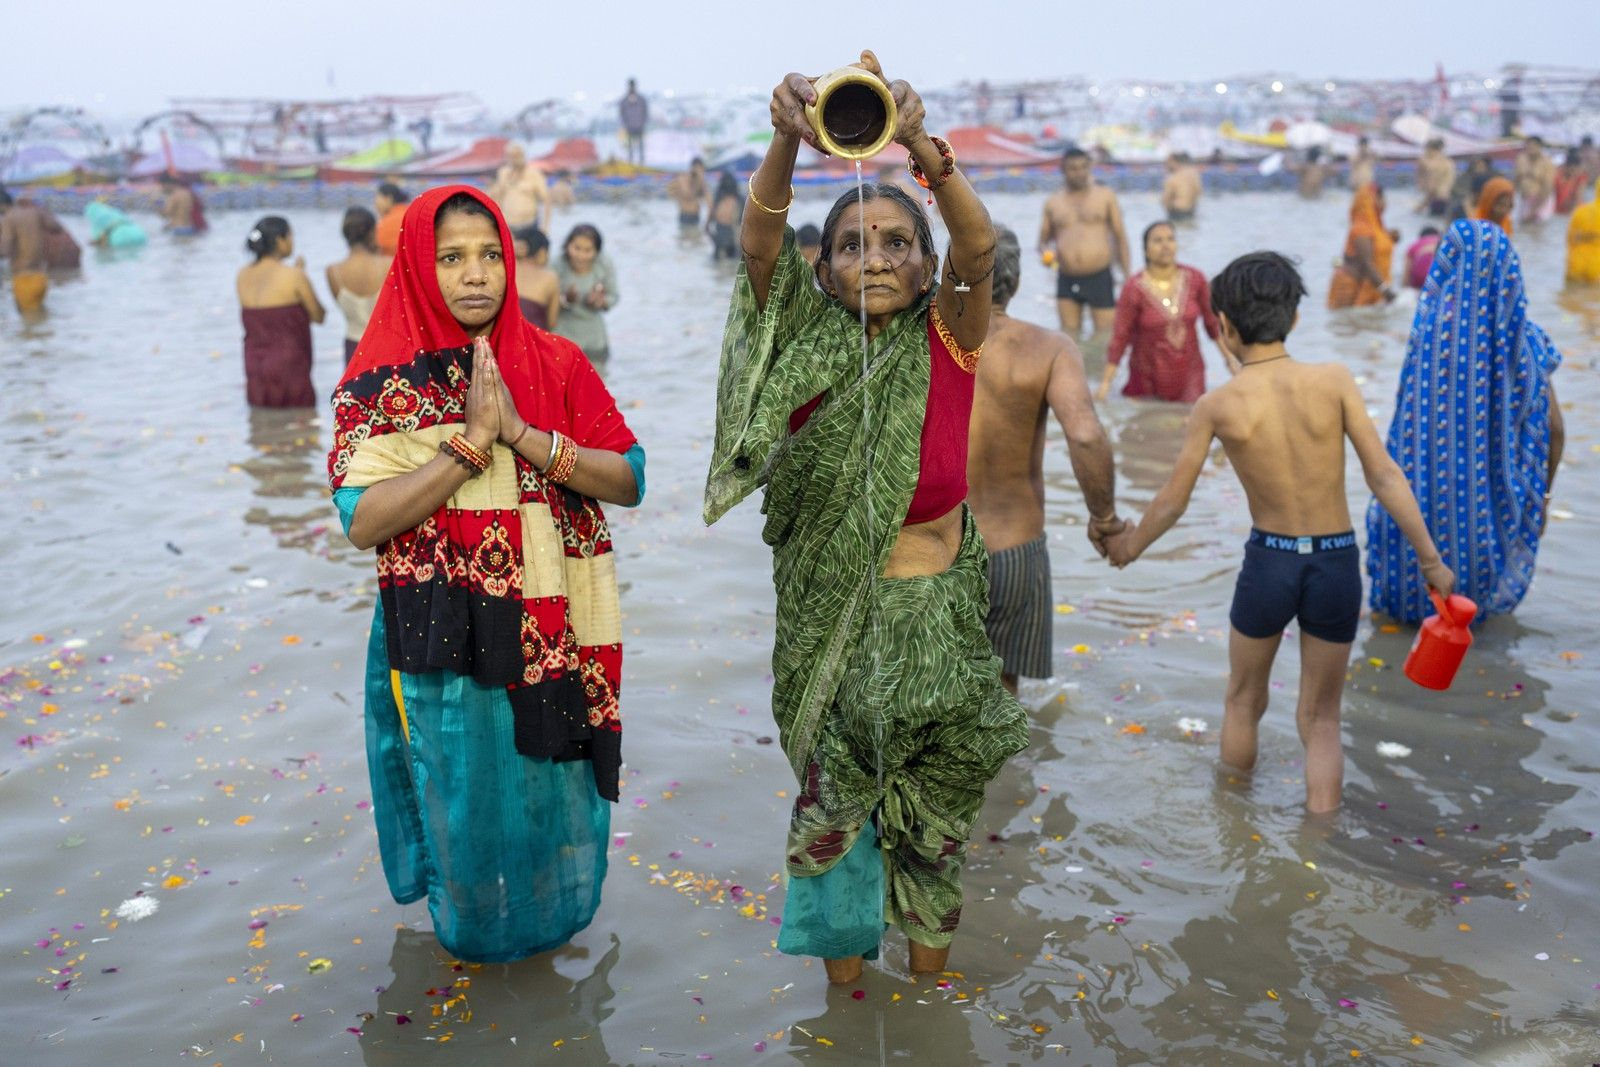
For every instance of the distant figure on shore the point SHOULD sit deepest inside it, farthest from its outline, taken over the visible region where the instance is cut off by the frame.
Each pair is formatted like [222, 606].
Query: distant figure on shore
[1156, 318]
[22, 244]
[689, 190]
[809, 239]
[1419, 256]
[182, 213]
[390, 204]
[1535, 178]
[356, 279]
[1570, 182]
[1495, 202]
[520, 190]
[1283, 425]
[1362, 277]
[634, 112]
[727, 207]
[538, 287]
[1476, 430]
[1363, 165]
[1583, 242]
[588, 291]
[278, 307]
[1436, 178]
[1589, 157]
[1082, 226]
[110, 227]
[1181, 189]
[1026, 373]
[1313, 174]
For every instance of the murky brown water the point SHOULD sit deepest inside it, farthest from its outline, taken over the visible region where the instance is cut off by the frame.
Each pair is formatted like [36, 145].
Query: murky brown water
[181, 646]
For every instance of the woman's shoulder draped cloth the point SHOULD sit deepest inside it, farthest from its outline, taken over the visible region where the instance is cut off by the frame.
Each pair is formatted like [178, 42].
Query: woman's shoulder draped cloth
[1471, 430]
[1367, 221]
[837, 490]
[512, 582]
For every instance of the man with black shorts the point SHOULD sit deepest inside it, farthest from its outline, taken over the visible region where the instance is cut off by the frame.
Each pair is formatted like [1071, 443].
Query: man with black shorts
[1083, 234]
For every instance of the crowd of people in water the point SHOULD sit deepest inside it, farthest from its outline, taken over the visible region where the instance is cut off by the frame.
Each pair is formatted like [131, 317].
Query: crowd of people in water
[892, 414]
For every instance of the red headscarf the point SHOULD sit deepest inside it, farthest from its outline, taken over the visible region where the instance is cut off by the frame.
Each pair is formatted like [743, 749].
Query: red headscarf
[1493, 190]
[512, 581]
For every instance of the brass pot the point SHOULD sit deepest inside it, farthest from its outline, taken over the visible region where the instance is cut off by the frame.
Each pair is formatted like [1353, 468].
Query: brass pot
[854, 116]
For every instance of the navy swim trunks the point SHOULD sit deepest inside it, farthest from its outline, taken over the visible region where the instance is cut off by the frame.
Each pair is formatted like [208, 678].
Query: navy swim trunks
[1098, 290]
[1316, 580]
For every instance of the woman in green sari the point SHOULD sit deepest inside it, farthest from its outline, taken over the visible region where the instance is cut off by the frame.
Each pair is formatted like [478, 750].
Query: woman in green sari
[886, 691]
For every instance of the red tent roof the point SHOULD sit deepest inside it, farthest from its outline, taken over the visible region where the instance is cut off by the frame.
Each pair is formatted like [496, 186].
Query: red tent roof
[573, 153]
[483, 156]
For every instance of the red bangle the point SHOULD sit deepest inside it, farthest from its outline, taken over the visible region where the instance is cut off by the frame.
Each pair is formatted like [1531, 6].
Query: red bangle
[466, 452]
[946, 153]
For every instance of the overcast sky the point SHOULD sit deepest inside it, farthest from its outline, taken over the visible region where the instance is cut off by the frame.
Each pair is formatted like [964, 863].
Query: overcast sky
[122, 59]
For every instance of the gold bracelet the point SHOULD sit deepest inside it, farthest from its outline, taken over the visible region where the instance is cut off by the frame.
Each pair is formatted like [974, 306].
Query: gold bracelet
[751, 183]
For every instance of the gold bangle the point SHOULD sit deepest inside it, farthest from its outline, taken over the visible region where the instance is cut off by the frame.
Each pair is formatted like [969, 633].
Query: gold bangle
[751, 184]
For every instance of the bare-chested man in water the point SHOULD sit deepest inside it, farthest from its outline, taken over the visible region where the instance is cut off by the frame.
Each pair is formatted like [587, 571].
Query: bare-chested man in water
[178, 216]
[1180, 192]
[689, 190]
[1313, 173]
[22, 243]
[1082, 226]
[1026, 371]
[520, 190]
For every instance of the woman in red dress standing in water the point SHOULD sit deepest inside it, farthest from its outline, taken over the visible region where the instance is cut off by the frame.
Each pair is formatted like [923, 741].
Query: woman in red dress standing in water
[1156, 317]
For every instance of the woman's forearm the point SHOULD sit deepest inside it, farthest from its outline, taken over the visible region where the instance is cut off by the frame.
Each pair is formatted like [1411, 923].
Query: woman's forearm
[599, 473]
[971, 231]
[761, 232]
[395, 505]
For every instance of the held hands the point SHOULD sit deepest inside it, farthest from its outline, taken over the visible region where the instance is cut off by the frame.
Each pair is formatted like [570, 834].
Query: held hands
[1100, 530]
[1120, 549]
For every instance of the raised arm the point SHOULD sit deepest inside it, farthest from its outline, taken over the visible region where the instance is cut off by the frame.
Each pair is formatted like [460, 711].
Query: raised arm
[1087, 446]
[771, 186]
[1388, 483]
[1169, 504]
[969, 266]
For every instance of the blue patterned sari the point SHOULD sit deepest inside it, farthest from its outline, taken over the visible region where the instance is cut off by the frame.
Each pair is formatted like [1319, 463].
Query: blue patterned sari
[1471, 430]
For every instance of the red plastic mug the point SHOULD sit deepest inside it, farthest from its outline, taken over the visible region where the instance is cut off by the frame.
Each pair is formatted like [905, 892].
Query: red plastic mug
[1442, 641]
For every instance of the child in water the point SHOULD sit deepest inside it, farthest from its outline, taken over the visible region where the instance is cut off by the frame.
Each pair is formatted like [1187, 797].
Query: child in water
[1283, 425]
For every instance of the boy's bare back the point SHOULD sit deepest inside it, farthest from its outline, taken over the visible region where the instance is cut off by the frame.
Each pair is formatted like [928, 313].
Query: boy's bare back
[1283, 425]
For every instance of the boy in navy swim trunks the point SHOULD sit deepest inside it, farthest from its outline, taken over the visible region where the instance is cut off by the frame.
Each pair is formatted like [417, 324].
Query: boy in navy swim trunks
[1283, 425]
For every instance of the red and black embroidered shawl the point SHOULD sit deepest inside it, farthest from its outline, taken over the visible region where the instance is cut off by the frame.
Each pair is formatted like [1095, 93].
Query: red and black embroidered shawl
[512, 582]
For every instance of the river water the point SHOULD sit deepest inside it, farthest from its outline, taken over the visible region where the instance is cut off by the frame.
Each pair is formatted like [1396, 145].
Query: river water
[182, 755]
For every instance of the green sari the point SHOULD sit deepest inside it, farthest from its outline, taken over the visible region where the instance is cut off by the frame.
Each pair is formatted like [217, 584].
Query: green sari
[886, 692]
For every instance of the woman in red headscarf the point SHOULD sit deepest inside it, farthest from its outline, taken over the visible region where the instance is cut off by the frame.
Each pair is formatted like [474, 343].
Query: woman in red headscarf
[1495, 202]
[472, 450]
[1362, 278]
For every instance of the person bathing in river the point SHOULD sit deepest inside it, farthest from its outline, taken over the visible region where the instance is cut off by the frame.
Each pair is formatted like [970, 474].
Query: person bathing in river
[1082, 227]
[1156, 318]
[1362, 277]
[538, 287]
[1181, 189]
[688, 190]
[886, 691]
[472, 451]
[724, 216]
[1283, 425]
[22, 244]
[1026, 373]
[355, 280]
[277, 305]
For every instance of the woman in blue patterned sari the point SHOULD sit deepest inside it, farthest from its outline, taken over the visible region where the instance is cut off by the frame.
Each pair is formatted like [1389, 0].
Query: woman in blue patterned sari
[1476, 429]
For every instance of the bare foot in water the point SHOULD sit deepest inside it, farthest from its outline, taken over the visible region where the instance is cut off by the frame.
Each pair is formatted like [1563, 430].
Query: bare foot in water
[845, 971]
[925, 960]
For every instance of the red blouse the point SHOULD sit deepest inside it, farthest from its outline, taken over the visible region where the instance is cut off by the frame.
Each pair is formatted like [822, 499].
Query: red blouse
[1166, 361]
[942, 466]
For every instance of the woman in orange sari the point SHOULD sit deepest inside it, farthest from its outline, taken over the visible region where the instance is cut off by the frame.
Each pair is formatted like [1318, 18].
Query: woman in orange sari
[1495, 202]
[1363, 277]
